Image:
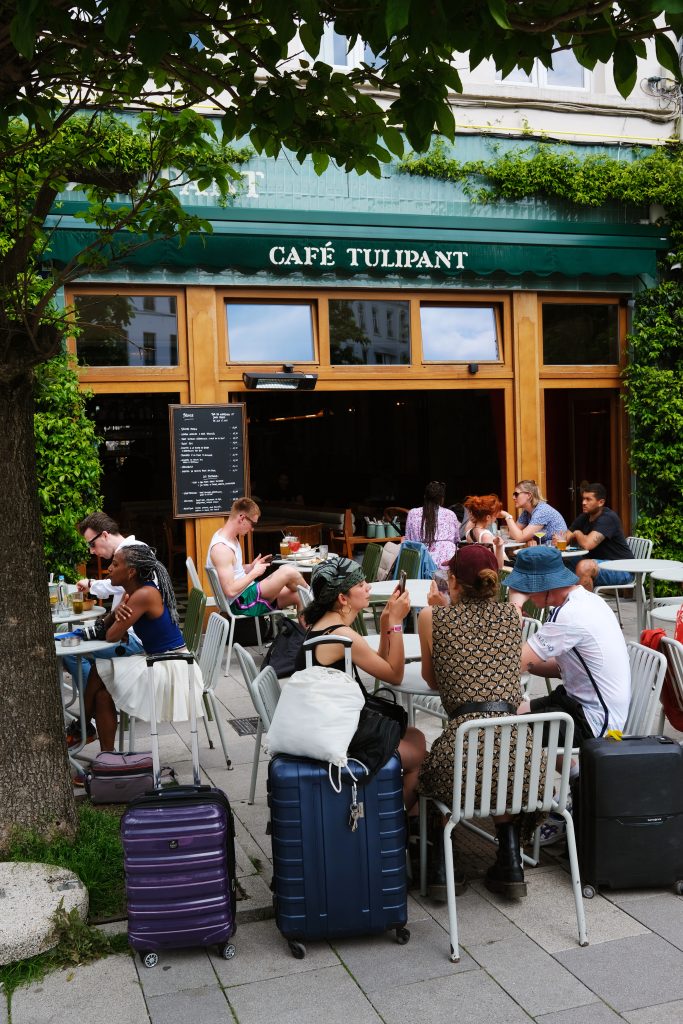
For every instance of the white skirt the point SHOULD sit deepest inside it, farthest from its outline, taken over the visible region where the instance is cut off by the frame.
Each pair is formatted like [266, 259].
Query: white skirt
[127, 682]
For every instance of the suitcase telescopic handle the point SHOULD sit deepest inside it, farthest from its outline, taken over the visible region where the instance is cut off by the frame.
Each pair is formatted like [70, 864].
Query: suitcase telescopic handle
[331, 638]
[152, 659]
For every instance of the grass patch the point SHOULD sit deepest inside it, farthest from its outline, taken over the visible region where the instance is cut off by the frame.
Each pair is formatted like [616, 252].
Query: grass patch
[95, 855]
[78, 944]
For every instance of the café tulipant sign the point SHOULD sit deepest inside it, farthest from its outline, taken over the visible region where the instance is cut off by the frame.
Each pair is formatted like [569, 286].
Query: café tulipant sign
[355, 257]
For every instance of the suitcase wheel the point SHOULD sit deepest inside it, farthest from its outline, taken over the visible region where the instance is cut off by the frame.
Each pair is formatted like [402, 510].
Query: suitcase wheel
[588, 892]
[227, 950]
[298, 949]
[402, 936]
[149, 958]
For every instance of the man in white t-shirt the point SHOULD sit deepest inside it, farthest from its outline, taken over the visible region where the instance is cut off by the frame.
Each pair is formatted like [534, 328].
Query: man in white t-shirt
[247, 593]
[581, 642]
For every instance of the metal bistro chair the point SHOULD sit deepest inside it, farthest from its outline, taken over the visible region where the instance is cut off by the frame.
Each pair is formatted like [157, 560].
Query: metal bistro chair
[264, 691]
[249, 673]
[224, 606]
[673, 652]
[475, 742]
[215, 639]
[648, 669]
[196, 582]
[194, 619]
[640, 547]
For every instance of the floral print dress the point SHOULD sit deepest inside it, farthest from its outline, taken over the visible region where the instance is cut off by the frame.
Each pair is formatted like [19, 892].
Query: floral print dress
[446, 537]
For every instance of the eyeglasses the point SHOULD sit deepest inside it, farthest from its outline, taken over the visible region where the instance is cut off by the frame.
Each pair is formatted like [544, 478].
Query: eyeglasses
[516, 494]
[93, 539]
[253, 522]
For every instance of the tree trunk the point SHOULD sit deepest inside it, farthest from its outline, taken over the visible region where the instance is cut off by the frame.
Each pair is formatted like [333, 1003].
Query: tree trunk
[35, 778]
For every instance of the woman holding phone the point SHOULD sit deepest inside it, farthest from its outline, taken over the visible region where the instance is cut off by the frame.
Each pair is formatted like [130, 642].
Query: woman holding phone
[340, 593]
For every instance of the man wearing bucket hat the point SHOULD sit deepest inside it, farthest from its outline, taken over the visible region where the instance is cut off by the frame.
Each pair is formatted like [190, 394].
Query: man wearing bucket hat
[581, 642]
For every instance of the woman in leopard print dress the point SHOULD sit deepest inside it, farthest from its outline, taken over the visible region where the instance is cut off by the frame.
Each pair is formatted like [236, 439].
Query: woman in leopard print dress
[471, 653]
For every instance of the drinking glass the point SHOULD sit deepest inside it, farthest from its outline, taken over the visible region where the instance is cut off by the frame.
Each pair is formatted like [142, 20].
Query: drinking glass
[294, 545]
[323, 550]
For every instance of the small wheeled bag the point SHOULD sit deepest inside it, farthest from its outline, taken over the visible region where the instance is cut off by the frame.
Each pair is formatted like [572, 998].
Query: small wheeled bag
[115, 778]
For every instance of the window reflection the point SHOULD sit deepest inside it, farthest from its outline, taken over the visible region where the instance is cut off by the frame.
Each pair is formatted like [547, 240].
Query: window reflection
[459, 334]
[127, 330]
[365, 334]
[577, 333]
[269, 332]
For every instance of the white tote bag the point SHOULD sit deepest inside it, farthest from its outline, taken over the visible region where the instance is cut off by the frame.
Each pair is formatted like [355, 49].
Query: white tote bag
[316, 716]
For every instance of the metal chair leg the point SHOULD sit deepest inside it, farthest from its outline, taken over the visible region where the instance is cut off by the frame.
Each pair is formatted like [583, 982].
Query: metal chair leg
[255, 761]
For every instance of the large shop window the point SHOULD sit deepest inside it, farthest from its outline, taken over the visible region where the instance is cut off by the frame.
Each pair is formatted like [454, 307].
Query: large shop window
[127, 330]
[270, 332]
[460, 334]
[369, 332]
[578, 333]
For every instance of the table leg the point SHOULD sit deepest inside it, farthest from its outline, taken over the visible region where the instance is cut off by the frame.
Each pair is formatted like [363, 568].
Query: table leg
[639, 602]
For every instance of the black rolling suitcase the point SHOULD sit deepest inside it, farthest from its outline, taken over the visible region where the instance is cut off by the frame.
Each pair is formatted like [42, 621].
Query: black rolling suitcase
[179, 858]
[630, 813]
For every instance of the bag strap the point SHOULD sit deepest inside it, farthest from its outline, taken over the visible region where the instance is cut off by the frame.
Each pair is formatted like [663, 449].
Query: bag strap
[331, 629]
[588, 672]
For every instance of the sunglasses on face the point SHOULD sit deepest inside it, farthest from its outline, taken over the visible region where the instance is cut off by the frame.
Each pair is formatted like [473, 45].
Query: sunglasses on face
[93, 539]
[517, 494]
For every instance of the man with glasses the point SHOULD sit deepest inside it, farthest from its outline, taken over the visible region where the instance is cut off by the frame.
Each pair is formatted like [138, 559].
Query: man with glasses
[103, 537]
[242, 584]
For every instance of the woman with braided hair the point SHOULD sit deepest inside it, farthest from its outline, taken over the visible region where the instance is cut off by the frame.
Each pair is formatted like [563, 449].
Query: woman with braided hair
[433, 525]
[148, 604]
[340, 592]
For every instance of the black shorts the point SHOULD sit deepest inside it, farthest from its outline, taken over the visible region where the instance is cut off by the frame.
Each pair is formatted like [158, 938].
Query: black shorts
[559, 700]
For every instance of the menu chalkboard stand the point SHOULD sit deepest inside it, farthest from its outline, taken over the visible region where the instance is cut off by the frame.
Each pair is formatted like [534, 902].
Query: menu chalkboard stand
[209, 458]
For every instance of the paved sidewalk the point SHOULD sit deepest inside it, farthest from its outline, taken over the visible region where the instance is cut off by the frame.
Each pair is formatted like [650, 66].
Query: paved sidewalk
[520, 959]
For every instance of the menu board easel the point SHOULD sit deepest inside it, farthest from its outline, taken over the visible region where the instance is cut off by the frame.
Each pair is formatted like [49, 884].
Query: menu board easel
[208, 458]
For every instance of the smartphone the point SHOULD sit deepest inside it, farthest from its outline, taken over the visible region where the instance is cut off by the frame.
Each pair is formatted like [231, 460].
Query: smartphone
[440, 577]
[267, 558]
[402, 577]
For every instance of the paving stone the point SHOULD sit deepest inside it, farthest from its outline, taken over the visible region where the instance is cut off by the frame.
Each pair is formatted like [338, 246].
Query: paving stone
[469, 997]
[263, 953]
[206, 1005]
[629, 973]
[479, 920]
[327, 994]
[29, 896]
[106, 991]
[531, 976]
[663, 1013]
[662, 914]
[593, 1013]
[177, 970]
[548, 913]
[378, 962]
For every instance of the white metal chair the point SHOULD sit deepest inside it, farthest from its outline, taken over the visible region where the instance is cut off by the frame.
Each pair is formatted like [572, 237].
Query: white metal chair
[640, 547]
[476, 740]
[305, 596]
[225, 609]
[249, 673]
[215, 639]
[196, 582]
[673, 652]
[648, 669]
[264, 690]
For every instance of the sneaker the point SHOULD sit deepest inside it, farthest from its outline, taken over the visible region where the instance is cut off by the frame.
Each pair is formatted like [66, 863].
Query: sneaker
[553, 829]
[73, 734]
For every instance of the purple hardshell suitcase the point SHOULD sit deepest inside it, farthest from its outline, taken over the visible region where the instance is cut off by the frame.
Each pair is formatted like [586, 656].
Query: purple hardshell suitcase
[179, 858]
[339, 858]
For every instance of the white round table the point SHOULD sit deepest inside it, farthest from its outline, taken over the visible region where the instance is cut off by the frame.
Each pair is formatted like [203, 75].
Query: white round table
[70, 616]
[639, 567]
[80, 651]
[411, 646]
[417, 591]
[665, 616]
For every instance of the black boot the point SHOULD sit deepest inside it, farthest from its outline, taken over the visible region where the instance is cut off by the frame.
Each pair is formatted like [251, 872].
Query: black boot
[506, 876]
[436, 878]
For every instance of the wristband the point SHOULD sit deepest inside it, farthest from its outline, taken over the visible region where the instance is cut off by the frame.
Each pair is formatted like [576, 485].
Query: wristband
[395, 629]
[508, 516]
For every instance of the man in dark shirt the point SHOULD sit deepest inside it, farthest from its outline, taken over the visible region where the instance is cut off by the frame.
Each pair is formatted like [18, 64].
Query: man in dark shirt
[598, 529]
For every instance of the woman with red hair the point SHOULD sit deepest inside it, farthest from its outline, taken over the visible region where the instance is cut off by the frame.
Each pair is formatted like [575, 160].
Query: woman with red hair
[483, 510]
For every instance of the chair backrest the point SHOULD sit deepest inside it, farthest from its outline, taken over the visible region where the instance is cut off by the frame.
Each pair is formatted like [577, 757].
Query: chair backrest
[192, 573]
[640, 546]
[371, 559]
[215, 639]
[673, 652]
[648, 669]
[489, 775]
[221, 599]
[194, 619]
[246, 663]
[529, 627]
[265, 693]
[305, 595]
[409, 560]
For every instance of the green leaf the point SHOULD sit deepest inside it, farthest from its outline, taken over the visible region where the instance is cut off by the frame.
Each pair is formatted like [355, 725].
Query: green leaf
[310, 40]
[498, 10]
[117, 20]
[445, 121]
[625, 68]
[667, 55]
[321, 162]
[396, 18]
[394, 140]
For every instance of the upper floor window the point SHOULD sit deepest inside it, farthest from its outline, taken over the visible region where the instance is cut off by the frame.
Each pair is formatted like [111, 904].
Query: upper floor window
[335, 50]
[127, 330]
[460, 334]
[566, 73]
[349, 342]
[580, 333]
[270, 332]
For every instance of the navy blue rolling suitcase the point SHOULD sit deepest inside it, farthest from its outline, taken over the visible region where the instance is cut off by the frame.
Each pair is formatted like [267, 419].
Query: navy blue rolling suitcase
[630, 813]
[331, 880]
[179, 858]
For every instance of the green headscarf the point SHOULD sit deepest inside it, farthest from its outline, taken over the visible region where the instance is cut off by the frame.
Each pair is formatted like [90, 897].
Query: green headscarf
[330, 579]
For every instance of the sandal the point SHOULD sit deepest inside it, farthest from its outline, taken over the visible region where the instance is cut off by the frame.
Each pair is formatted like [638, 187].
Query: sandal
[73, 734]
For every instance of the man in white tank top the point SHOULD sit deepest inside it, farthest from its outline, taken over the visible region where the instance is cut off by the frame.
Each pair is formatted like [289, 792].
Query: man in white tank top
[247, 592]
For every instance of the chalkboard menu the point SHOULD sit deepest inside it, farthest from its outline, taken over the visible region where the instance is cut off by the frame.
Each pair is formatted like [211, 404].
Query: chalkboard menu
[208, 444]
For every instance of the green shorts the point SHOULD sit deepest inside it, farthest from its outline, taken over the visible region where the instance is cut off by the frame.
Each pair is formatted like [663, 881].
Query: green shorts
[250, 602]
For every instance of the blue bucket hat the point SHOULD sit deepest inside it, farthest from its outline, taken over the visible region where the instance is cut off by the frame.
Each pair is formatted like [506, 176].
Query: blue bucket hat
[539, 569]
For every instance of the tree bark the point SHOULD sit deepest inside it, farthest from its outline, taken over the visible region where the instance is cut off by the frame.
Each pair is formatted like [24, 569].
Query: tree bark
[35, 778]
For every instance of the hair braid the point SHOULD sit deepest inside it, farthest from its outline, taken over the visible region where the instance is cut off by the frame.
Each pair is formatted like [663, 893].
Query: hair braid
[144, 560]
